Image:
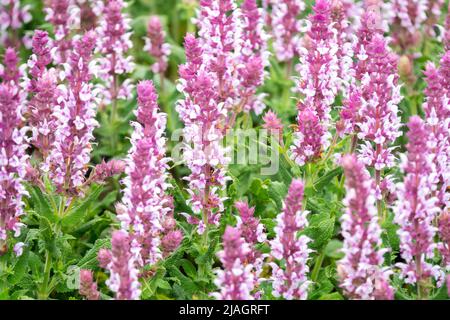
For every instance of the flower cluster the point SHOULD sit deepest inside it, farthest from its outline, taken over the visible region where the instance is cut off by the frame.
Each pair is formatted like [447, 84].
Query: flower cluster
[64, 15]
[415, 209]
[145, 204]
[379, 122]
[291, 282]
[203, 152]
[409, 16]
[361, 271]
[217, 32]
[43, 91]
[252, 58]
[9, 70]
[437, 115]
[251, 230]
[236, 280]
[155, 45]
[12, 162]
[286, 27]
[123, 278]
[75, 120]
[113, 43]
[318, 84]
[88, 287]
[444, 236]
[13, 15]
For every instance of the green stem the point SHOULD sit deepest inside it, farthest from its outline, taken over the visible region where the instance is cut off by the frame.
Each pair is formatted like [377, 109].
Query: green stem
[43, 292]
[317, 266]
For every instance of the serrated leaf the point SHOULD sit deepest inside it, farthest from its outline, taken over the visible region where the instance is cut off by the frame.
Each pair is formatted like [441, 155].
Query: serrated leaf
[89, 261]
[76, 215]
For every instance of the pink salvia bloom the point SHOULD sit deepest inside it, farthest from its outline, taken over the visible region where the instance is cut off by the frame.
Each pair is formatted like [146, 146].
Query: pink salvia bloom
[252, 230]
[236, 280]
[217, 23]
[272, 122]
[203, 150]
[361, 271]
[437, 116]
[89, 12]
[123, 278]
[379, 123]
[273, 125]
[42, 88]
[64, 15]
[416, 209]
[9, 70]
[13, 15]
[144, 201]
[310, 137]
[252, 56]
[444, 236]
[349, 115]
[291, 281]
[286, 27]
[344, 41]
[13, 159]
[406, 25]
[75, 120]
[105, 170]
[318, 84]
[156, 46]
[88, 287]
[113, 44]
[104, 258]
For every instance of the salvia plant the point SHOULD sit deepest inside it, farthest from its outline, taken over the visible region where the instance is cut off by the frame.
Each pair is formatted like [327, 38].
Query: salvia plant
[225, 149]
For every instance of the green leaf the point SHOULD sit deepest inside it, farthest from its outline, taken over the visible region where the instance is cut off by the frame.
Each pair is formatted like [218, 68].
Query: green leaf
[326, 178]
[333, 249]
[188, 268]
[75, 216]
[332, 296]
[20, 267]
[89, 261]
[41, 203]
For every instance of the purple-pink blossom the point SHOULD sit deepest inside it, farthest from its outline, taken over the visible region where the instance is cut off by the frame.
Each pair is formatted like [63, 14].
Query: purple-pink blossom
[123, 277]
[318, 84]
[252, 230]
[252, 57]
[156, 46]
[9, 70]
[13, 159]
[286, 26]
[13, 15]
[64, 15]
[43, 94]
[437, 116]
[203, 151]
[361, 271]
[236, 280]
[144, 204]
[88, 286]
[444, 237]
[291, 281]
[113, 43]
[415, 210]
[75, 120]
[407, 22]
[379, 122]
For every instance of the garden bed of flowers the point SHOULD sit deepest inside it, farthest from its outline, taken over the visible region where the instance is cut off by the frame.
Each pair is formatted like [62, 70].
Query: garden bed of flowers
[224, 149]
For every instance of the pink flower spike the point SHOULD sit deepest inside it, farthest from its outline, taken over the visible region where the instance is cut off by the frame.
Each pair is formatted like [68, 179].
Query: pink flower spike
[236, 279]
[415, 210]
[291, 282]
[361, 271]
